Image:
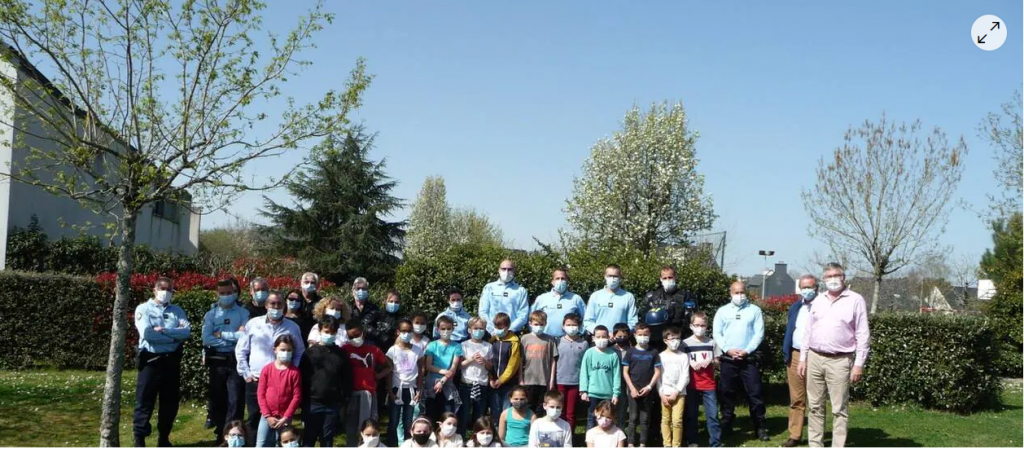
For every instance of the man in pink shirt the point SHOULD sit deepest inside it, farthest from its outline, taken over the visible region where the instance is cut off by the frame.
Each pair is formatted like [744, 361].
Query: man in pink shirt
[835, 348]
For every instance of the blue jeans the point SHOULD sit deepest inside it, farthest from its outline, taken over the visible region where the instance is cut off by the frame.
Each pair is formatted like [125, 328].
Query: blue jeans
[471, 410]
[265, 436]
[400, 414]
[693, 401]
[500, 401]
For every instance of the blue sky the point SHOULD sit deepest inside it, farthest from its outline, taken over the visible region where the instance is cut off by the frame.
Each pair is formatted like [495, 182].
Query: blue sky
[505, 99]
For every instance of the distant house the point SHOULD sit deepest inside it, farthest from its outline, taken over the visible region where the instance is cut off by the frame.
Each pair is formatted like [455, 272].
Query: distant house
[777, 283]
[166, 226]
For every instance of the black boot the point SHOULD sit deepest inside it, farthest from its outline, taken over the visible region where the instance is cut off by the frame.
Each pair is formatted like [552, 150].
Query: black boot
[164, 441]
[140, 441]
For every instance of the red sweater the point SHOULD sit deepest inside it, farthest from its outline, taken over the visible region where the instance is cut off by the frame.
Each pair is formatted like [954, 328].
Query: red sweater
[280, 391]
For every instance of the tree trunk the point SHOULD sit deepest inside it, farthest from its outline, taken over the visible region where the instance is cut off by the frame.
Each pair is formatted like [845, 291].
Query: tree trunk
[110, 418]
[874, 298]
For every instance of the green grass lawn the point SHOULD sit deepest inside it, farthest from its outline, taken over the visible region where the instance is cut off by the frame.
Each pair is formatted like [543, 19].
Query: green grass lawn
[61, 408]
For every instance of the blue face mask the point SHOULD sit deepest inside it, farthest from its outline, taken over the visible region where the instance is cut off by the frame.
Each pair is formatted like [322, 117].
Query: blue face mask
[294, 304]
[612, 282]
[260, 297]
[392, 307]
[500, 332]
[227, 300]
[560, 286]
[537, 329]
[236, 441]
[808, 294]
[327, 339]
[405, 336]
[275, 314]
[361, 295]
[478, 334]
[291, 444]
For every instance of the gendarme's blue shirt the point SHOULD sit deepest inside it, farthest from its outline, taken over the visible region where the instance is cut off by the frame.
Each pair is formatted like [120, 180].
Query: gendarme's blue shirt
[739, 327]
[509, 298]
[227, 322]
[557, 307]
[176, 328]
[610, 308]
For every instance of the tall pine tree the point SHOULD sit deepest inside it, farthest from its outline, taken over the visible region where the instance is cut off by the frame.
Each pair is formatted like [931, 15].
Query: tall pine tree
[337, 226]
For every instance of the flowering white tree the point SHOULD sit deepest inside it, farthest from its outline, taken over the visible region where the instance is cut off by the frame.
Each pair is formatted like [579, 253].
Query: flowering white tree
[435, 226]
[641, 186]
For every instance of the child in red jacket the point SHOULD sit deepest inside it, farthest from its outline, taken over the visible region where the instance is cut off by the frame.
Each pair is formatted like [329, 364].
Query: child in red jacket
[279, 393]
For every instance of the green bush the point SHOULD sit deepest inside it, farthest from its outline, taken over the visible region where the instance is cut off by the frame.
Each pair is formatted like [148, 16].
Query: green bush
[44, 317]
[1005, 311]
[939, 361]
[423, 281]
[31, 250]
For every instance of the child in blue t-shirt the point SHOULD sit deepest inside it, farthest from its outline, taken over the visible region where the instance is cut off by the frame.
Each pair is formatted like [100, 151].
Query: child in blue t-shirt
[442, 359]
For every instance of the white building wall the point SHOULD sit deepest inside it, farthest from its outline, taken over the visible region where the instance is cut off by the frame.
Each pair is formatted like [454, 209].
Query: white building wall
[59, 216]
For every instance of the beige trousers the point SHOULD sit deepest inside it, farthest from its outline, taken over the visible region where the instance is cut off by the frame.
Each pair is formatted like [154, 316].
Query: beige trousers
[797, 397]
[828, 375]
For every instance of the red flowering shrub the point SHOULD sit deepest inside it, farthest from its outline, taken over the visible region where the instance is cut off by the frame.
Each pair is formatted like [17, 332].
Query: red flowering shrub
[778, 304]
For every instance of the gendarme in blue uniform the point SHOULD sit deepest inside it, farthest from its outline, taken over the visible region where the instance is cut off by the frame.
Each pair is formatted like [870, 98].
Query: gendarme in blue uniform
[610, 308]
[557, 306]
[159, 366]
[222, 327]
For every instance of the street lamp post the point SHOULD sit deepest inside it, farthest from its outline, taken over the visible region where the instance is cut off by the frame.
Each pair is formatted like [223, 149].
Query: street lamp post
[764, 274]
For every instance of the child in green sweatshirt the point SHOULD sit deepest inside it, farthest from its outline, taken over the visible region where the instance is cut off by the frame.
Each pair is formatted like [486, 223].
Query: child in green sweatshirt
[599, 374]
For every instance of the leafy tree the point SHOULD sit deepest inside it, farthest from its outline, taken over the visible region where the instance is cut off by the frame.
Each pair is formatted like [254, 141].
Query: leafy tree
[471, 227]
[151, 100]
[1004, 131]
[435, 226]
[430, 220]
[337, 226]
[641, 187]
[1003, 265]
[883, 197]
[1003, 261]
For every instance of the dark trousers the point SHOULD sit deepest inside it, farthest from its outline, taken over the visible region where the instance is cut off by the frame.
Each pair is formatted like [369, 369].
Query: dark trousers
[401, 413]
[591, 419]
[639, 416]
[500, 400]
[227, 390]
[535, 397]
[252, 422]
[471, 410]
[159, 376]
[319, 425]
[733, 375]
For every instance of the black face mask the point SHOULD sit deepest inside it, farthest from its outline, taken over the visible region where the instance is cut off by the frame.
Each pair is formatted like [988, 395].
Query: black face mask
[622, 341]
[518, 404]
[421, 438]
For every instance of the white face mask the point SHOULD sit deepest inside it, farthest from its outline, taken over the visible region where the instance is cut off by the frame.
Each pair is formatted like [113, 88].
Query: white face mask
[357, 342]
[571, 330]
[642, 340]
[506, 276]
[698, 331]
[834, 284]
[455, 305]
[163, 297]
[419, 328]
[447, 430]
[669, 285]
[484, 438]
[445, 334]
[371, 441]
[332, 312]
[738, 300]
[673, 344]
[553, 412]
[601, 343]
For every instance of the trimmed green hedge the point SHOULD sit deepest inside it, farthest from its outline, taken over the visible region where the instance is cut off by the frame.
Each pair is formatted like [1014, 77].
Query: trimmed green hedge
[944, 362]
[52, 320]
